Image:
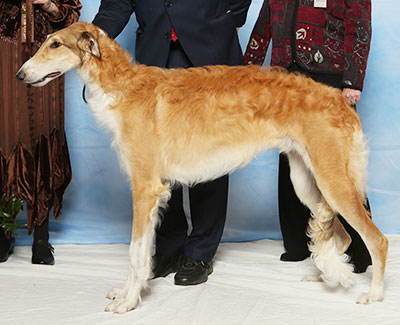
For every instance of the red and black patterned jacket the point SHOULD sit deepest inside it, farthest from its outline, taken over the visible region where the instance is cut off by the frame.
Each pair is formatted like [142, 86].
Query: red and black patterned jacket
[333, 40]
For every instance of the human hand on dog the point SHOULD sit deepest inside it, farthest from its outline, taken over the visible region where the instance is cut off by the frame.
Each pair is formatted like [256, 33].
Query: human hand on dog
[48, 6]
[352, 96]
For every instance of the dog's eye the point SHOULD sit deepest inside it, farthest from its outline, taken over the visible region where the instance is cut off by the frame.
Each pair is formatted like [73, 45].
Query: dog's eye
[55, 45]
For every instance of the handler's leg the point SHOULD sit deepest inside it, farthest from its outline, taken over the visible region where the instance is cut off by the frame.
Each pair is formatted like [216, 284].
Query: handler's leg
[208, 204]
[170, 236]
[293, 216]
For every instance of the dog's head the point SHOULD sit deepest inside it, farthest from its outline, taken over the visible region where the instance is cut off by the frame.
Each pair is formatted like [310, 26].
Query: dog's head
[62, 51]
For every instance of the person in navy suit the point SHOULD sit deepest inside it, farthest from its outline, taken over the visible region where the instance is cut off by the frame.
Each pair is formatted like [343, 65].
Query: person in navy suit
[184, 33]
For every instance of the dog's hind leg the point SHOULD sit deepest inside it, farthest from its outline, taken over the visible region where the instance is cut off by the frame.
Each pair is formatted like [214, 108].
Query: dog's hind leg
[303, 181]
[147, 198]
[353, 210]
[324, 227]
[344, 193]
[377, 245]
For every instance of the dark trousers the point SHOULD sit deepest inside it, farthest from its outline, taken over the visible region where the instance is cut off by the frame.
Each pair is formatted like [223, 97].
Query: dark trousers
[208, 204]
[294, 216]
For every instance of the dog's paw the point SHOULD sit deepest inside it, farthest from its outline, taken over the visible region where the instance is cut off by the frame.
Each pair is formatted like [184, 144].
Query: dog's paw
[312, 278]
[111, 306]
[121, 306]
[125, 307]
[366, 298]
[116, 293]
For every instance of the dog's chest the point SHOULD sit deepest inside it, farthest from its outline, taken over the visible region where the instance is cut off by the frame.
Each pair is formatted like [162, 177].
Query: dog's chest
[99, 104]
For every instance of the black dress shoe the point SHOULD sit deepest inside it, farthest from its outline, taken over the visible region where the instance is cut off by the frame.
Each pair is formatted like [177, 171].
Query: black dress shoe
[191, 272]
[294, 257]
[42, 252]
[6, 248]
[164, 265]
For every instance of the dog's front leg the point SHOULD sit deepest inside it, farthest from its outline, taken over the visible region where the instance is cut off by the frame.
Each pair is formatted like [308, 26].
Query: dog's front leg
[128, 297]
[145, 205]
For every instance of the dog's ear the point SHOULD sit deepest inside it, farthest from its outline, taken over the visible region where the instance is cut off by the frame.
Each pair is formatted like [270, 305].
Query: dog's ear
[88, 43]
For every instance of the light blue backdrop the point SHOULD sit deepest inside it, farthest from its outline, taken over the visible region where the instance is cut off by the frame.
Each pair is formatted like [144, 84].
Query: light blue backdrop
[97, 204]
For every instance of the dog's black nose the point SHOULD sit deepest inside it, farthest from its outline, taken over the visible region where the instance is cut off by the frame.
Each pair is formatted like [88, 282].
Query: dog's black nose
[20, 75]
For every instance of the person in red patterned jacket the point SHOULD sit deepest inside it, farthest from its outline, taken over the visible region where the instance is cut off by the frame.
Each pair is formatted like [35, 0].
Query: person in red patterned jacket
[329, 41]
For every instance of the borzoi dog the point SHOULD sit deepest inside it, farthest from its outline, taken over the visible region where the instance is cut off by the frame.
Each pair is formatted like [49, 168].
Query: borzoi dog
[194, 125]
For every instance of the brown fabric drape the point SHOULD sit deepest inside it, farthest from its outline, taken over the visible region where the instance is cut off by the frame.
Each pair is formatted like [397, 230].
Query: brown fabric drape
[34, 159]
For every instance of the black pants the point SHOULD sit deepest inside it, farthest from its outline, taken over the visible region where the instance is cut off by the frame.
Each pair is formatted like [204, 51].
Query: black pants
[294, 216]
[208, 203]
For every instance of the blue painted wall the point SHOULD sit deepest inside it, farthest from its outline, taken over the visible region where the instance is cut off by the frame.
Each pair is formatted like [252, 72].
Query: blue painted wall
[97, 204]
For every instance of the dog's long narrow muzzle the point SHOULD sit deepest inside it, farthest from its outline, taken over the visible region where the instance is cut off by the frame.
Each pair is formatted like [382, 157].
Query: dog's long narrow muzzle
[21, 75]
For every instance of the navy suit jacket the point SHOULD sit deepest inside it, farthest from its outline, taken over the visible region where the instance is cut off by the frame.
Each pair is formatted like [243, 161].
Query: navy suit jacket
[206, 29]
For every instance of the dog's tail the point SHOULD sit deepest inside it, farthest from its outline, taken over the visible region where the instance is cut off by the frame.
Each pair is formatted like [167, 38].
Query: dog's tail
[327, 255]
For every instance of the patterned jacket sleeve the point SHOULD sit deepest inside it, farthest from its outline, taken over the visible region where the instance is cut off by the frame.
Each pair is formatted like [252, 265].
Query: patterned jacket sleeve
[357, 25]
[260, 37]
[69, 10]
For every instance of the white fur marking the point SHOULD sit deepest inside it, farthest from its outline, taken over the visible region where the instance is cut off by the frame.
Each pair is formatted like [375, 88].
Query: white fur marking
[99, 103]
[140, 257]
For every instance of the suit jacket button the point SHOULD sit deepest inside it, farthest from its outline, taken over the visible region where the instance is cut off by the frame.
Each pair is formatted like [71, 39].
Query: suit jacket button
[166, 35]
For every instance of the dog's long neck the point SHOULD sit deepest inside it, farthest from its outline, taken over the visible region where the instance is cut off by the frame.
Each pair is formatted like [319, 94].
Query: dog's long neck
[104, 79]
[108, 70]
[111, 77]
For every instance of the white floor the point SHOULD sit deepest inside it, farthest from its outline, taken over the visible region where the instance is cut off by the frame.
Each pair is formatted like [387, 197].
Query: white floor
[249, 286]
